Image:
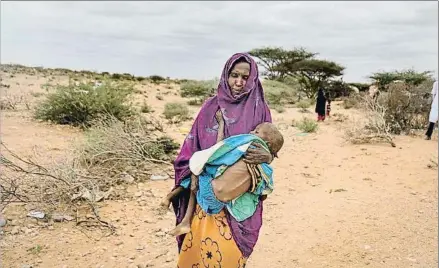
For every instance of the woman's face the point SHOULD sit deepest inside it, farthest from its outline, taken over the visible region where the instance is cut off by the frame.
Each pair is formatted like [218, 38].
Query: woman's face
[238, 77]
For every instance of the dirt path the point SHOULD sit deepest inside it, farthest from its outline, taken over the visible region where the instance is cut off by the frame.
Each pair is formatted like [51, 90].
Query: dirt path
[334, 205]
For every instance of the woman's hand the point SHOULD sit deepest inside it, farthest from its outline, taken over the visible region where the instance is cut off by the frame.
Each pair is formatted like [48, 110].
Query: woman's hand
[257, 155]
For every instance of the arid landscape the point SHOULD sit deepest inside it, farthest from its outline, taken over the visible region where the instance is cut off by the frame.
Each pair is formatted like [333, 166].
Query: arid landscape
[335, 204]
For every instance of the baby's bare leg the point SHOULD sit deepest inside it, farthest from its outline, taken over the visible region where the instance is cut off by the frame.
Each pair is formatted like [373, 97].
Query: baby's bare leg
[166, 202]
[185, 225]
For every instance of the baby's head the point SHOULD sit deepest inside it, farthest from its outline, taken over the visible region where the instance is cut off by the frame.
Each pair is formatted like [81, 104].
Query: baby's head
[271, 135]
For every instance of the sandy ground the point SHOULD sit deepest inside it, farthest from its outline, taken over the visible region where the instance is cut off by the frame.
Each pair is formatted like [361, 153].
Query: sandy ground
[334, 205]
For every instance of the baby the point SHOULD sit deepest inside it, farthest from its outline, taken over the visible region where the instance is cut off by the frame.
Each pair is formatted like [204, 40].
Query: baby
[234, 181]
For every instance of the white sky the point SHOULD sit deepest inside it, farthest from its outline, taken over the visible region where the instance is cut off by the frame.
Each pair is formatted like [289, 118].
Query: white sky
[194, 39]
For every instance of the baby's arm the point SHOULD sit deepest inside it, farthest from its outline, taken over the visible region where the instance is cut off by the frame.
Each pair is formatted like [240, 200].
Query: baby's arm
[220, 119]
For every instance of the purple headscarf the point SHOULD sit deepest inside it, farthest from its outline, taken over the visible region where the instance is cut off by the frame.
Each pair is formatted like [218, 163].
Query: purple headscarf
[242, 114]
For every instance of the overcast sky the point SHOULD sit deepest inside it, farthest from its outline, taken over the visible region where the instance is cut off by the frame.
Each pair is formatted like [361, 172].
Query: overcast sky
[194, 39]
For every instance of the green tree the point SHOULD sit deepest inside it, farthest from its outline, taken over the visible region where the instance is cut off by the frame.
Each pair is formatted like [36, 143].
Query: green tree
[276, 59]
[411, 77]
[314, 73]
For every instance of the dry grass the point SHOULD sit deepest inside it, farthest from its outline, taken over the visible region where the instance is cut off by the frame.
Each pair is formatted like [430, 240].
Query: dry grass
[110, 151]
[176, 112]
[14, 102]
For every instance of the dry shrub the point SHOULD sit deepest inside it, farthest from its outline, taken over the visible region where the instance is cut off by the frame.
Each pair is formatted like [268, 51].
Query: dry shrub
[353, 101]
[110, 151]
[303, 105]
[407, 106]
[374, 129]
[157, 79]
[79, 104]
[115, 144]
[194, 102]
[279, 109]
[13, 102]
[198, 91]
[306, 125]
[146, 108]
[339, 117]
[176, 112]
[278, 93]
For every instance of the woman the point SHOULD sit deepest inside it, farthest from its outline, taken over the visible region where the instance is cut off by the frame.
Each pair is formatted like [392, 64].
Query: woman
[219, 240]
[321, 105]
[433, 111]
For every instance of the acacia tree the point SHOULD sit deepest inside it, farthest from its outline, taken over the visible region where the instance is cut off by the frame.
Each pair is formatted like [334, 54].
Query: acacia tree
[276, 59]
[411, 77]
[313, 73]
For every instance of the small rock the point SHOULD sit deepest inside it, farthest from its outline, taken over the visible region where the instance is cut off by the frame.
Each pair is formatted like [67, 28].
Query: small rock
[138, 194]
[15, 230]
[159, 177]
[2, 222]
[119, 243]
[367, 247]
[26, 266]
[133, 257]
[36, 214]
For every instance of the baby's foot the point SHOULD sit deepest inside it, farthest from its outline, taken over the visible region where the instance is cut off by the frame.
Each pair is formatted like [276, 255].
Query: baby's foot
[182, 228]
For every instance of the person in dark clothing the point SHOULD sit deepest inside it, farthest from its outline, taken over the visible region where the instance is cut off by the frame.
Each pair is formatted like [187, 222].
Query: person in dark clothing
[321, 105]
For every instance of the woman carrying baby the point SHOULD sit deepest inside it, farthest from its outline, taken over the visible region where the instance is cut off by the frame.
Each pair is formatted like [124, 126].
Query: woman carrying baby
[218, 240]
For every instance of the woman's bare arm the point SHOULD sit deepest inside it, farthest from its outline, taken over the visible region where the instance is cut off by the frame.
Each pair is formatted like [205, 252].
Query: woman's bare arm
[235, 181]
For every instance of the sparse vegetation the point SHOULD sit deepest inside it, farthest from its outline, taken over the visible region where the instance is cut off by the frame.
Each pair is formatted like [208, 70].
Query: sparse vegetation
[306, 125]
[303, 105]
[110, 151]
[198, 91]
[176, 112]
[279, 109]
[146, 108]
[79, 104]
[278, 93]
[114, 144]
[157, 79]
[353, 101]
[373, 129]
[406, 106]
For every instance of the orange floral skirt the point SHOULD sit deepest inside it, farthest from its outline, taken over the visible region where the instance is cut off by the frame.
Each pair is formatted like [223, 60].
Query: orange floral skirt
[210, 244]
